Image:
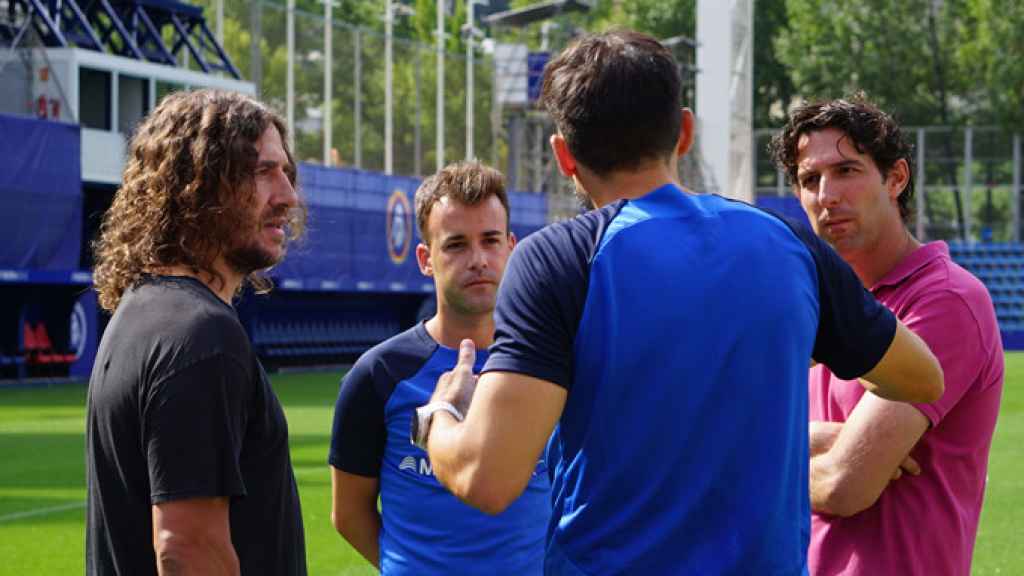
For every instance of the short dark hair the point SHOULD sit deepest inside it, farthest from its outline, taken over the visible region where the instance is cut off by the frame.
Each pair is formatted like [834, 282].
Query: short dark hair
[616, 99]
[870, 130]
[467, 183]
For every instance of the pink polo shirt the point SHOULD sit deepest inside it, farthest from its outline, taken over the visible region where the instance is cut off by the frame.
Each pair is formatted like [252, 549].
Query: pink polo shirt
[923, 524]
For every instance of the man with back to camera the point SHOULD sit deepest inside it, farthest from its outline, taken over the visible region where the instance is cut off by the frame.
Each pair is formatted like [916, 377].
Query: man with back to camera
[187, 445]
[667, 335]
[463, 217]
[852, 171]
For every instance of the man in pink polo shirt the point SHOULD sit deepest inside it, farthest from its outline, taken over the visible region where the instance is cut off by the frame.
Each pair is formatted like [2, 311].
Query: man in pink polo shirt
[895, 488]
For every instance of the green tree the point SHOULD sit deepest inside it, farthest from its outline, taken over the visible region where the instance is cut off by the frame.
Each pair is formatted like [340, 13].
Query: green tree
[992, 52]
[901, 52]
[662, 19]
[773, 87]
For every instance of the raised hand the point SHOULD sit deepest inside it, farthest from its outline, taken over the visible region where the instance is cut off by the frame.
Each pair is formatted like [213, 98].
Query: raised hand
[457, 386]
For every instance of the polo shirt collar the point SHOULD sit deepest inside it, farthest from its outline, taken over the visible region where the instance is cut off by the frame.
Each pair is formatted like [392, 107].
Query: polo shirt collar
[912, 263]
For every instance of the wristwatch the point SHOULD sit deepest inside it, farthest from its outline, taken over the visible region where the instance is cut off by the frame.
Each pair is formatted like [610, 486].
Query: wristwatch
[420, 428]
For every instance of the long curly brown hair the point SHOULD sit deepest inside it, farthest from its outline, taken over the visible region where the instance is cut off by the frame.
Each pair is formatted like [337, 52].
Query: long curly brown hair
[186, 191]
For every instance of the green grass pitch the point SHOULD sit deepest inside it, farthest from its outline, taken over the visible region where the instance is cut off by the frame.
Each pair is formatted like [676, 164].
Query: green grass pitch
[42, 478]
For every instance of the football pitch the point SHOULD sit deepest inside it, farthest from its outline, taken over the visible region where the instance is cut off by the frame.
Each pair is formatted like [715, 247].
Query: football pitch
[42, 478]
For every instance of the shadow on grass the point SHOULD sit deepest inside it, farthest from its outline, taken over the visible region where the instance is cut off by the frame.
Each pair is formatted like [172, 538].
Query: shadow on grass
[42, 460]
[314, 389]
[310, 450]
[48, 397]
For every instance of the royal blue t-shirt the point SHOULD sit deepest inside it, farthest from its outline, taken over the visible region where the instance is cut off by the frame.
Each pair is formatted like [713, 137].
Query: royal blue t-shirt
[424, 528]
[682, 327]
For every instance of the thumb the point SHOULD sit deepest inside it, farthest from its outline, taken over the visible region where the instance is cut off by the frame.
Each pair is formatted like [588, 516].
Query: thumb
[467, 355]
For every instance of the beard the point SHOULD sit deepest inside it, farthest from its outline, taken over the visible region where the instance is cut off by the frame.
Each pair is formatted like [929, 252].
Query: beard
[248, 255]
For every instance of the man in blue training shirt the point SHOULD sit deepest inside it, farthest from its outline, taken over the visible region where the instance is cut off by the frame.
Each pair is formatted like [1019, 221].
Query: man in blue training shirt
[667, 335]
[463, 218]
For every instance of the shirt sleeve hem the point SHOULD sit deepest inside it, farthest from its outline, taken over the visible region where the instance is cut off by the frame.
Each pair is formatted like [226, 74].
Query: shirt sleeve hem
[338, 463]
[165, 497]
[873, 358]
[930, 412]
[552, 375]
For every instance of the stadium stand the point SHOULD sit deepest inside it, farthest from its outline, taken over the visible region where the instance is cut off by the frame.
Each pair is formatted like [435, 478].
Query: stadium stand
[1001, 267]
[325, 340]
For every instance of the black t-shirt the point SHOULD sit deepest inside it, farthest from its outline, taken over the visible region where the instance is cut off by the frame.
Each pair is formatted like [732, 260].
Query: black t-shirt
[179, 407]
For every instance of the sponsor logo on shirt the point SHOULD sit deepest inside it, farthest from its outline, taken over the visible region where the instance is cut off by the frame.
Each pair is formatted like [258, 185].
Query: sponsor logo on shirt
[422, 466]
[415, 465]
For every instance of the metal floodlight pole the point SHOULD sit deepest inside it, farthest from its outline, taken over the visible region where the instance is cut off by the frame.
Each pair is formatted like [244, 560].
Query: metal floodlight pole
[920, 227]
[357, 92]
[439, 153]
[1016, 194]
[388, 23]
[469, 79]
[968, 182]
[220, 22]
[290, 73]
[255, 53]
[328, 81]
[418, 149]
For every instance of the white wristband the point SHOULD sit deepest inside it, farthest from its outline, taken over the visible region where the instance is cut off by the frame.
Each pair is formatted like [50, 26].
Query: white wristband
[424, 416]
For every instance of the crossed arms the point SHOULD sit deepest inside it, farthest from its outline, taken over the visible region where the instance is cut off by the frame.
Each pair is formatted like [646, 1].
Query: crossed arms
[853, 462]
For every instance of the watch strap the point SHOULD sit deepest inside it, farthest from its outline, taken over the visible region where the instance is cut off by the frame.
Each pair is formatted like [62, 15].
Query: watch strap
[424, 416]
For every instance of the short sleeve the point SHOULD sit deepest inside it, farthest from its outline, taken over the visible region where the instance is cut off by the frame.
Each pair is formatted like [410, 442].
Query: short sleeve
[934, 318]
[854, 329]
[358, 433]
[538, 308]
[194, 424]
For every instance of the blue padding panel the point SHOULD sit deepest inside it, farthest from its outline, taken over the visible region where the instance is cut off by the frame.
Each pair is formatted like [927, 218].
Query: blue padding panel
[362, 233]
[529, 212]
[41, 192]
[786, 205]
[1013, 340]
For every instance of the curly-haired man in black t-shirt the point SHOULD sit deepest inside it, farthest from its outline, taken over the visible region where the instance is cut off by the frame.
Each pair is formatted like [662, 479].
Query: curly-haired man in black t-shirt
[187, 445]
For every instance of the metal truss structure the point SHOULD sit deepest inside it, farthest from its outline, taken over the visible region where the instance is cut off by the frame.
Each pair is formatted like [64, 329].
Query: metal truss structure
[160, 31]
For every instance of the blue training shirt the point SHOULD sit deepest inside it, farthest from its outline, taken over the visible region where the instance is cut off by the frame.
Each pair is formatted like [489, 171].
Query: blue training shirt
[424, 528]
[682, 327]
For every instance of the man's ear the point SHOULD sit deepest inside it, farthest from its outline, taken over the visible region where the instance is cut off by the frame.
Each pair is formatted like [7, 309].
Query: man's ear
[897, 179]
[686, 129]
[566, 161]
[512, 239]
[423, 259]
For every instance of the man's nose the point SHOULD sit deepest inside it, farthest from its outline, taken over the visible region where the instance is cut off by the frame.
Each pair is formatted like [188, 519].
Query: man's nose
[828, 192]
[285, 193]
[478, 259]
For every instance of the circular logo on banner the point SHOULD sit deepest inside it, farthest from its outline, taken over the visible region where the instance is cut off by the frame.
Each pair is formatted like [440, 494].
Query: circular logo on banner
[78, 333]
[398, 226]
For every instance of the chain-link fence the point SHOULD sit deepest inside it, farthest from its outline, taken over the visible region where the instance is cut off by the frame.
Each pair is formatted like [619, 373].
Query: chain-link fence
[328, 79]
[256, 37]
[968, 182]
[512, 137]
